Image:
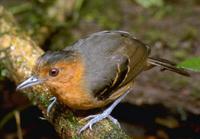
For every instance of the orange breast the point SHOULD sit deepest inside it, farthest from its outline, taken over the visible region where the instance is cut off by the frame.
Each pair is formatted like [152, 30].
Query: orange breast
[71, 89]
[77, 98]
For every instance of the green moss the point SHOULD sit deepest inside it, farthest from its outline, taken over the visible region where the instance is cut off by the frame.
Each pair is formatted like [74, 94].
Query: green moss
[44, 99]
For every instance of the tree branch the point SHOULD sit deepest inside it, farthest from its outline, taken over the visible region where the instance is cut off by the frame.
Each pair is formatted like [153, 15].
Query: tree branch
[18, 54]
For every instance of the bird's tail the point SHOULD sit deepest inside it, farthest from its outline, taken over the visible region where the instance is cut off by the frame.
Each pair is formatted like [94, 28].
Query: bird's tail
[166, 65]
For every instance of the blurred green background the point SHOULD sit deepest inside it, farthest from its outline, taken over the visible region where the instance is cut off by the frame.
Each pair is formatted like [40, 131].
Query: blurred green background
[165, 106]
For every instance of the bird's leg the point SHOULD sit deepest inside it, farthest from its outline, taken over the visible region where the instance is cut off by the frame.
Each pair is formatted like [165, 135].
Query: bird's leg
[53, 101]
[106, 114]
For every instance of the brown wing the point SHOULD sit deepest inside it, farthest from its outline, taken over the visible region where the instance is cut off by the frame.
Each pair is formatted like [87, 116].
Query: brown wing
[121, 71]
[112, 59]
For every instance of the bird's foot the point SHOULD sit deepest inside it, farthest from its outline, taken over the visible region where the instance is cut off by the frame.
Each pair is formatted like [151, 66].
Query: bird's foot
[53, 101]
[106, 114]
[98, 117]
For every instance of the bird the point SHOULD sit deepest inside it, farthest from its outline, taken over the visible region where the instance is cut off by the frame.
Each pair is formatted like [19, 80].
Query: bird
[95, 72]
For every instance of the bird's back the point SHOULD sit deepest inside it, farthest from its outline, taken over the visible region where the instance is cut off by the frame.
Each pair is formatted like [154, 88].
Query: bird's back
[112, 59]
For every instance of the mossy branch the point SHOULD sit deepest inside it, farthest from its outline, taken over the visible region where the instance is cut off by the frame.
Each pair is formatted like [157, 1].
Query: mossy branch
[18, 54]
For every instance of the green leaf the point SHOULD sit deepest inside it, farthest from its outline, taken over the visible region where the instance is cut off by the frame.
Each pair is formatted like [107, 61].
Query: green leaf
[191, 64]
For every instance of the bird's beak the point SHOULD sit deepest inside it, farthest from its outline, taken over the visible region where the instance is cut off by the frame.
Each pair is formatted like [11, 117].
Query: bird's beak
[33, 80]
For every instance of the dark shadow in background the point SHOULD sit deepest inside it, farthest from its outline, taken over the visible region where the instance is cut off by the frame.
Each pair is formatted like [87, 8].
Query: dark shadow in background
[144, 117]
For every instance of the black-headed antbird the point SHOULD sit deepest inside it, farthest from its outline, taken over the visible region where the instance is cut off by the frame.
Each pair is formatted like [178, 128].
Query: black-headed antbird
[95, 71]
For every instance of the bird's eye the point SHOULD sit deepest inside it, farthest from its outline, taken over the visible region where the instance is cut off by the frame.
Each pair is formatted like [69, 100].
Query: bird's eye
[53, 72]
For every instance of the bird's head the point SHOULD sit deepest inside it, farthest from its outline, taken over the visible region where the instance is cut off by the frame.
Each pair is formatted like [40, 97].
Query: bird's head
[55, 69]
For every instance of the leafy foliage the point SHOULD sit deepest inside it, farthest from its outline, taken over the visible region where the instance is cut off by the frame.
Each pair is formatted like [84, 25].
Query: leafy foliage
[191, 64]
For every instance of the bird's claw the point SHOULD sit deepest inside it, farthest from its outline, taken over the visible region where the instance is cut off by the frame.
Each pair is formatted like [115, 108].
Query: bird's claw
[87, 118]
[96, 118]
[53, 101]
[52, 98]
